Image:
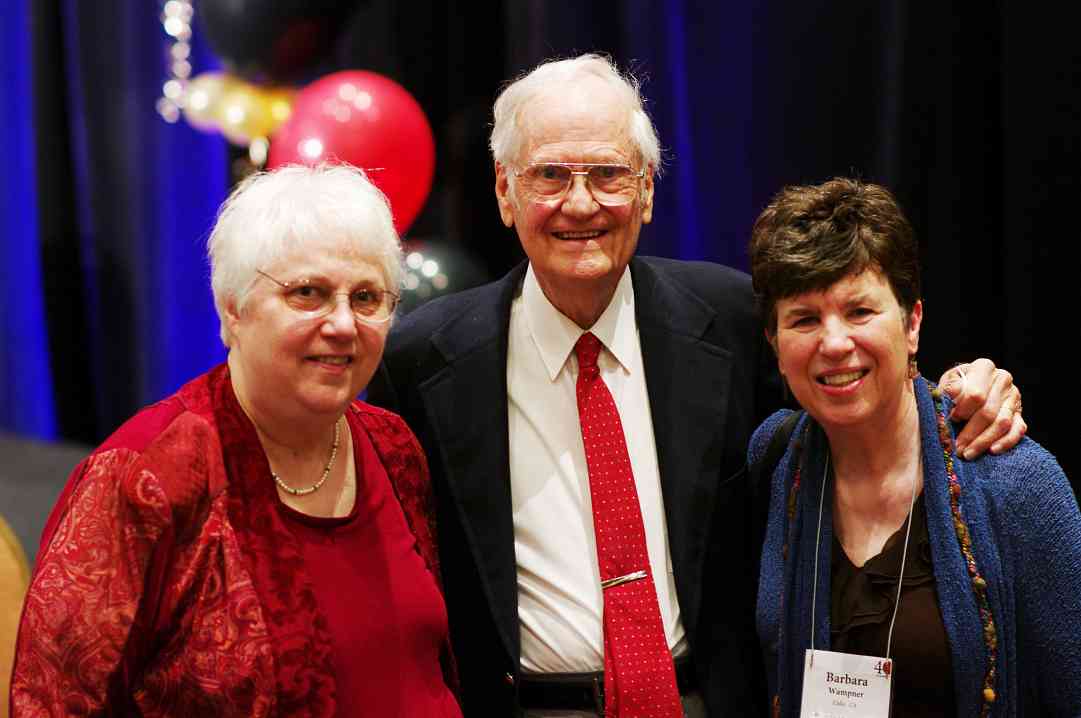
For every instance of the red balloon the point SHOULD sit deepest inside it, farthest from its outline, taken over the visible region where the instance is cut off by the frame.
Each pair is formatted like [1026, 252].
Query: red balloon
[369, 121]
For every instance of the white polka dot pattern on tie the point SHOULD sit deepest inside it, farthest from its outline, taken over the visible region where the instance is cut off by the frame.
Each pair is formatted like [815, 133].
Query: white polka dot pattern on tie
[639, 676]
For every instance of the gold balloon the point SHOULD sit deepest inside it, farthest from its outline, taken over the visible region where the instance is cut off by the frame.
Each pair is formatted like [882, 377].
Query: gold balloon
[248, 111]
[202, 97]
[281, 104]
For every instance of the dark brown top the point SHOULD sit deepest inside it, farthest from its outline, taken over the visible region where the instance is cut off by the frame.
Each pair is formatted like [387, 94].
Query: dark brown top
[861, 606]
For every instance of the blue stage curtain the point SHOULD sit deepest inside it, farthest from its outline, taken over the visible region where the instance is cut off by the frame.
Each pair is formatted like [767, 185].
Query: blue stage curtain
[26, 390]
[147, 192]
[696, 58]
[144, 195]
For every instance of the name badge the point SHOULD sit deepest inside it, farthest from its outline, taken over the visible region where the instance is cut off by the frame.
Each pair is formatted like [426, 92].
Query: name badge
[840, 685]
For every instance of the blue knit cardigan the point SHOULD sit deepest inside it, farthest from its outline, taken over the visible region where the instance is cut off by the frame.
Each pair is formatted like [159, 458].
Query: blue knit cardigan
[1026, 537]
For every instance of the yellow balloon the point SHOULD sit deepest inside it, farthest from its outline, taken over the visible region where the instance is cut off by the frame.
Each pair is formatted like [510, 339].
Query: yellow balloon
[281, 104]
[202, 97]
[248, 111]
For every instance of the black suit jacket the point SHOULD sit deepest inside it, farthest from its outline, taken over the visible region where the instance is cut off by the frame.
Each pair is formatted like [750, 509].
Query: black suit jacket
[710, 378]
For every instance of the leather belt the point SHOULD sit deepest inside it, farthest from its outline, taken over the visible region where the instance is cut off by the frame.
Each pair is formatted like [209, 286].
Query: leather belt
[584, 691]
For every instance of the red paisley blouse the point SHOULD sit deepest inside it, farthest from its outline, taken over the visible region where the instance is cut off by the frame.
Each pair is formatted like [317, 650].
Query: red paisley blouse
[168, 584]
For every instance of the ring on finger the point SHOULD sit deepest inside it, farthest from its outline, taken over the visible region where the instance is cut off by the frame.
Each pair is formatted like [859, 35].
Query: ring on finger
[961, 374]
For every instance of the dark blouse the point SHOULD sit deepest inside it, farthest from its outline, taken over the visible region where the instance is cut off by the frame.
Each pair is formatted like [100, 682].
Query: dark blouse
[861, 607]
[385, 613]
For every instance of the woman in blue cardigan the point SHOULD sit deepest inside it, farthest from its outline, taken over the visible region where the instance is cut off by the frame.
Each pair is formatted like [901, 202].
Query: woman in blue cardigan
[890, 566]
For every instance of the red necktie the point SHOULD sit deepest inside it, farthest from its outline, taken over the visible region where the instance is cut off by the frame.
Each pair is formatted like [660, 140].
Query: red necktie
[639, 677]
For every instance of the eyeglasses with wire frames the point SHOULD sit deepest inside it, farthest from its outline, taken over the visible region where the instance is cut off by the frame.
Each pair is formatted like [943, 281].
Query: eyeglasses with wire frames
[373, 306]
[611, 185]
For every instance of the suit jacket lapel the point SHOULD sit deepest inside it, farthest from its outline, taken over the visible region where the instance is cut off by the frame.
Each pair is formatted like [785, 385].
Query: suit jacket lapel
[466, 403]
[688, 381]
[679, 362]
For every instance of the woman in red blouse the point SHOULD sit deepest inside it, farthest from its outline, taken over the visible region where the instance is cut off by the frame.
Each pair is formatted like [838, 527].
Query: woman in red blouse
[259, 543]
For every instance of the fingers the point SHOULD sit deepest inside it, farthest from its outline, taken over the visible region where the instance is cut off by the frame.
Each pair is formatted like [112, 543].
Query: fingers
[997, 423]
[953, 382]
[969, 385]
[1016, 433]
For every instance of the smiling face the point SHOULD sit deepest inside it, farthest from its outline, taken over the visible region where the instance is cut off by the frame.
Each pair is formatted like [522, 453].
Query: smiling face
[844, 351]
[290, 367]
[578, 248]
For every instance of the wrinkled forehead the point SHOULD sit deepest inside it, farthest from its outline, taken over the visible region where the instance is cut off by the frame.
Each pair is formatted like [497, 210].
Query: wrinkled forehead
[588, 116]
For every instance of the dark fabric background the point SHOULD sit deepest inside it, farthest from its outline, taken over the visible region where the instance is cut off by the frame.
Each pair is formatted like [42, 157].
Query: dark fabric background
[970, 115]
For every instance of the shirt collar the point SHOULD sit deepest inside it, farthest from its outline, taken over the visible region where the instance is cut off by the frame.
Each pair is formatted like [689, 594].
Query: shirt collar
[555, 334]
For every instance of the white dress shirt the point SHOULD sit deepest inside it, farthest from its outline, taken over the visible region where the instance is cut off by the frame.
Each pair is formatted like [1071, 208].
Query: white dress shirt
[559, 594]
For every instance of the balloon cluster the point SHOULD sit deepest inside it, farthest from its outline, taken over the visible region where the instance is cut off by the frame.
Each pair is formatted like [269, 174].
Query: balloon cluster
[353, 116]
[240, 110]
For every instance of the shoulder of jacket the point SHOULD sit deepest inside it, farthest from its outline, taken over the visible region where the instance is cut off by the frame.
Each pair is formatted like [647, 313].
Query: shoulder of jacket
[164, 457]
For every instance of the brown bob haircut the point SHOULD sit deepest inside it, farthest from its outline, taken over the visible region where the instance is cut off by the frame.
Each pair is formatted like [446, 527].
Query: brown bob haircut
[811, 236]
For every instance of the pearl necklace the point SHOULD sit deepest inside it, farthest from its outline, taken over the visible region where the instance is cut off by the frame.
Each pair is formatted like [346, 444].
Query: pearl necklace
[322, 479]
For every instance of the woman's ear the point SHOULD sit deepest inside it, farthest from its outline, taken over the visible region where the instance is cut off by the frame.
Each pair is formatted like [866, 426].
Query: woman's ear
[915, 321]
[232, 318]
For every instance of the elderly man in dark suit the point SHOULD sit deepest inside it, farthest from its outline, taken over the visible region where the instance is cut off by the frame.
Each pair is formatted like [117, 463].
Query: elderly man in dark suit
[586, 420]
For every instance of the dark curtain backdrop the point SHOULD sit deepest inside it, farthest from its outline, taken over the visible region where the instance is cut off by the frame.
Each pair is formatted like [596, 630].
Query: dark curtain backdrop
[122, 203]
[26, 389]
[969, 116]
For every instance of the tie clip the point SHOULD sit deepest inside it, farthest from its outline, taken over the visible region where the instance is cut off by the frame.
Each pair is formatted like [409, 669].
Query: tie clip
[620, 580]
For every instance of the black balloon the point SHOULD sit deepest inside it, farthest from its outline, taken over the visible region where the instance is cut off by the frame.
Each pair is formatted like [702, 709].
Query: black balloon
[272, 40]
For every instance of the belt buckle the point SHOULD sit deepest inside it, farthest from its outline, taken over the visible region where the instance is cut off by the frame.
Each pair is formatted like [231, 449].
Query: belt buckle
[598, 693]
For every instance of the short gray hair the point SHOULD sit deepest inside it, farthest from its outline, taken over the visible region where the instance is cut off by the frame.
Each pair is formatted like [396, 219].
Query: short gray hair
[272, 213]
[507, 140]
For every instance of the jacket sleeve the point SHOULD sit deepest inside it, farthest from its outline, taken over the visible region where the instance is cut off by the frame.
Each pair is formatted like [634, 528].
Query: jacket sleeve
[380, 391]
[85, 613]
[1047, 558]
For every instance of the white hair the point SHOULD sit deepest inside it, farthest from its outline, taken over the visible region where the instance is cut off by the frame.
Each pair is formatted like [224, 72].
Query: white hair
[271, 214]
[507, 141]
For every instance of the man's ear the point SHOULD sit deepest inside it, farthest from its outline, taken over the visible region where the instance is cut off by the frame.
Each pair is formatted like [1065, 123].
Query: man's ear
[647, 196]
[502, 195]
